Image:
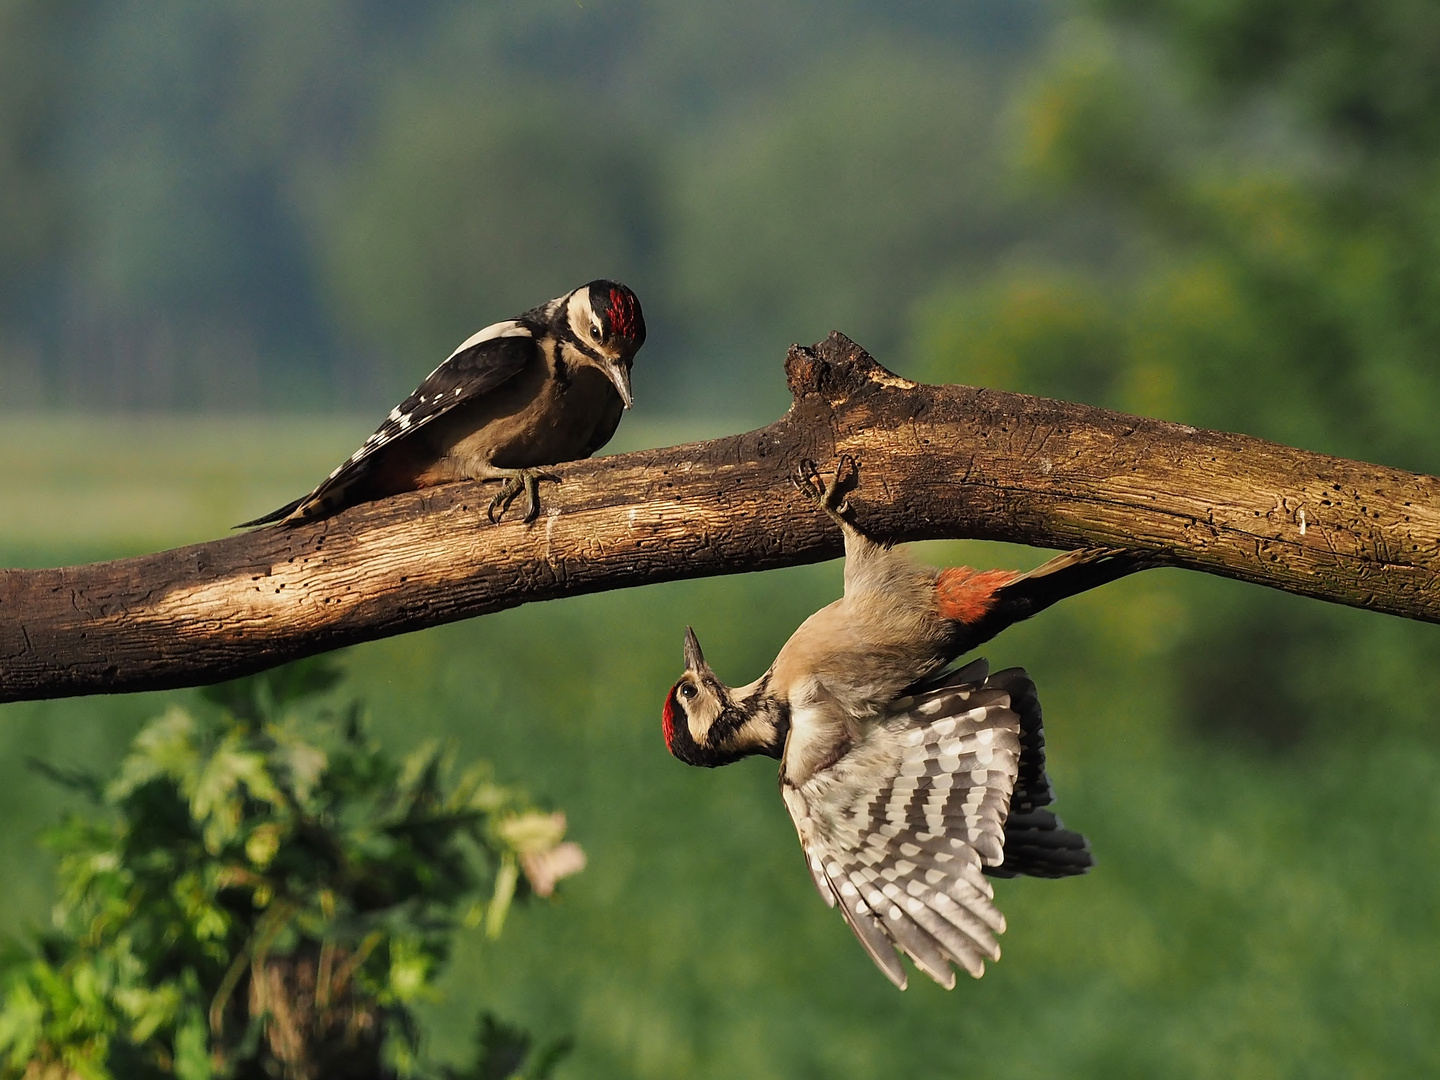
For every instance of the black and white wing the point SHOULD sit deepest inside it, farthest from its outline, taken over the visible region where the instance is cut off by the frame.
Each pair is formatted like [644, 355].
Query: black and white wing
[484, 361]
[898, 831]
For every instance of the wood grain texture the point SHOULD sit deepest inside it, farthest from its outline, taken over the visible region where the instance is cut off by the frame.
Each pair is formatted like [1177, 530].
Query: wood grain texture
[946, 461]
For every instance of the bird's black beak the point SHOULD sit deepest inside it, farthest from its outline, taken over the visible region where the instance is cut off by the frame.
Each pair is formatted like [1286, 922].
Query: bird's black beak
[694, 658]
[618, 372]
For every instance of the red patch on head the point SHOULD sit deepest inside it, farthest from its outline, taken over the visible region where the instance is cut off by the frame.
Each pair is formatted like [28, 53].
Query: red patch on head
[965, 595]
[669, 721]
[624, 312]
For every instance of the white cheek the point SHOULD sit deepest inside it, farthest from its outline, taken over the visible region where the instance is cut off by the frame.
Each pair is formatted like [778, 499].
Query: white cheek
[699, 730]
[581, 317]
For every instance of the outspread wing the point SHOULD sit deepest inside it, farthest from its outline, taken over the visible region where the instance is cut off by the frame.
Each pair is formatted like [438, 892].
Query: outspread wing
[1037, 844]
[898, 830]
[483, 362]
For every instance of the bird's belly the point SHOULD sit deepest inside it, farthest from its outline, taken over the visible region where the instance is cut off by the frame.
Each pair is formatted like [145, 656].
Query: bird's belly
[570, 422]
[524, 425]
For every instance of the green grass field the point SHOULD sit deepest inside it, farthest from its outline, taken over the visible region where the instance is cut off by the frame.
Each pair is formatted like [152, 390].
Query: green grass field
[1254, 912]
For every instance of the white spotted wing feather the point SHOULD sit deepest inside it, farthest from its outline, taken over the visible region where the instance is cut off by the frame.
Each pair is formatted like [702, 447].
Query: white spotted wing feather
[896, 831]
[483, 362]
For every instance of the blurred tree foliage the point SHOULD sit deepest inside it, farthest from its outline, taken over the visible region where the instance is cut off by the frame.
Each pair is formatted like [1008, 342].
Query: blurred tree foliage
[270, 895]
[831, 206]
[301, 206]
[1271, 169]
[458, 197]
[1275, 164]
[33, 95]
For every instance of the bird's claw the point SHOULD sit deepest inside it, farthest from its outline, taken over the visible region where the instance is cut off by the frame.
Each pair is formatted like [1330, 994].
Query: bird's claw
[526, 480]
[828, 494]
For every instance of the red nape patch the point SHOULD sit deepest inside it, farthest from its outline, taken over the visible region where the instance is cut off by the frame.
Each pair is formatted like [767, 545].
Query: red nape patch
[966, 595]
[623, 309]
[669, 722]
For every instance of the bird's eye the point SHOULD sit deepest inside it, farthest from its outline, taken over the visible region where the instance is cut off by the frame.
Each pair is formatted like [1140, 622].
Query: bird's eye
[596, 332]
[688, 691]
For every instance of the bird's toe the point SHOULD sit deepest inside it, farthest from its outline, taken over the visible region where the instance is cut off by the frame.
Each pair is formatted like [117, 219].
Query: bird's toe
[502, 500]
[829, 494]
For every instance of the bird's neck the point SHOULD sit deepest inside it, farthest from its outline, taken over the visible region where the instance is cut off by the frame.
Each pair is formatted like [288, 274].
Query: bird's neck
[761, 720]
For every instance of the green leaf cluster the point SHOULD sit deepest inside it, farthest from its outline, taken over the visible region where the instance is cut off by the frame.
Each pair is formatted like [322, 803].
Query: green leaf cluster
[1266, 173]
[268, 893]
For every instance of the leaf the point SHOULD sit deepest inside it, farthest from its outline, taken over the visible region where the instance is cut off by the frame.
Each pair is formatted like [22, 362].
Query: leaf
[262, 844]
[166, 747]
[504, 1052]
[257, 697]
[236, 697]
[505, 881]
[410, 967]
[418, 773]
[502, 1049]
[192, 1049]
[549, 1056]
[148, 1008]
[296, 681]
[304, 764]
[533, 832]
[215, 798]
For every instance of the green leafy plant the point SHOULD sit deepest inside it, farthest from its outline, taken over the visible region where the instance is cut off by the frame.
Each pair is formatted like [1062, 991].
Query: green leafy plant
[269, 895]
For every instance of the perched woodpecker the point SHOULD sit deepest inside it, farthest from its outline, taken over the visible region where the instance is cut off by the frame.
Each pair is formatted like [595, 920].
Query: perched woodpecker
[544, 387]
[906, 783]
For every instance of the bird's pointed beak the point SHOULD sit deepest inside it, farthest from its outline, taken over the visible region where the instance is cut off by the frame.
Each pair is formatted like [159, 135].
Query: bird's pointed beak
[619, 374]
[694, 658]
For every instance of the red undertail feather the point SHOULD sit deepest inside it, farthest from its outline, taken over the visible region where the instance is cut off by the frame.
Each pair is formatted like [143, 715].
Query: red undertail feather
[966, 595]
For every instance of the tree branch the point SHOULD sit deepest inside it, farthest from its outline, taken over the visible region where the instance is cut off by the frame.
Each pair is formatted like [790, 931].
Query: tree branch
[935, 461]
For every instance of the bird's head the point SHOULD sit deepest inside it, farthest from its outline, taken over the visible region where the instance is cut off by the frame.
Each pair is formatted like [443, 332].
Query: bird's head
[609, 328]
[707, 723]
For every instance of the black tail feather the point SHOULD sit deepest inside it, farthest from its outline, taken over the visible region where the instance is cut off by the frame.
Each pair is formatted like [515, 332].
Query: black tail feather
[1037, 844]
[274, 515]
[1062, 577]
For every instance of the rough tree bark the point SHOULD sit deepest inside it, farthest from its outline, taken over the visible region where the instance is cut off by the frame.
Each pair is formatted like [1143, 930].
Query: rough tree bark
[934, 461]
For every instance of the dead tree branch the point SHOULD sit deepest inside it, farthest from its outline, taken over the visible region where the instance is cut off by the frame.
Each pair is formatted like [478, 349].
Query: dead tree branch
[935, 461]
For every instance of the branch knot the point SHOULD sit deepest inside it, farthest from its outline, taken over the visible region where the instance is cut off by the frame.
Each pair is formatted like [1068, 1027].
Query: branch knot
[835, 368]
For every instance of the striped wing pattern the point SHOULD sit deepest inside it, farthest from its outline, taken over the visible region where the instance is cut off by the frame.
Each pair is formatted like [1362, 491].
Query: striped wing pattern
[483, 362]
[897, 831]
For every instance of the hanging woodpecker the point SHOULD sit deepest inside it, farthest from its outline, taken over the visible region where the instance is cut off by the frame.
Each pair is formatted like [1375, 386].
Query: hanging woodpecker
[906, 783]
[544, 387]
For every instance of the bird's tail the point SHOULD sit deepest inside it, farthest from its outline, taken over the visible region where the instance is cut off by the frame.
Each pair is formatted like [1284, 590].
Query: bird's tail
[1066, 575]
[274, 515]
[1037, 844]
[986, 602]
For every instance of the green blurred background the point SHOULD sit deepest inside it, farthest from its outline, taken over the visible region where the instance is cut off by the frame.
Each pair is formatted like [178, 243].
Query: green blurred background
[234, 233]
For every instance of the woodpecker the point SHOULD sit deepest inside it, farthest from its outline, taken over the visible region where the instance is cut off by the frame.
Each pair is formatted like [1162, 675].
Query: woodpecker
[544, 387]
[906, 782]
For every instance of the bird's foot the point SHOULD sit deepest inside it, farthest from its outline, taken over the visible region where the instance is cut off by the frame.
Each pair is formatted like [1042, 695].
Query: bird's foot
[516, 481]
[829, 494]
